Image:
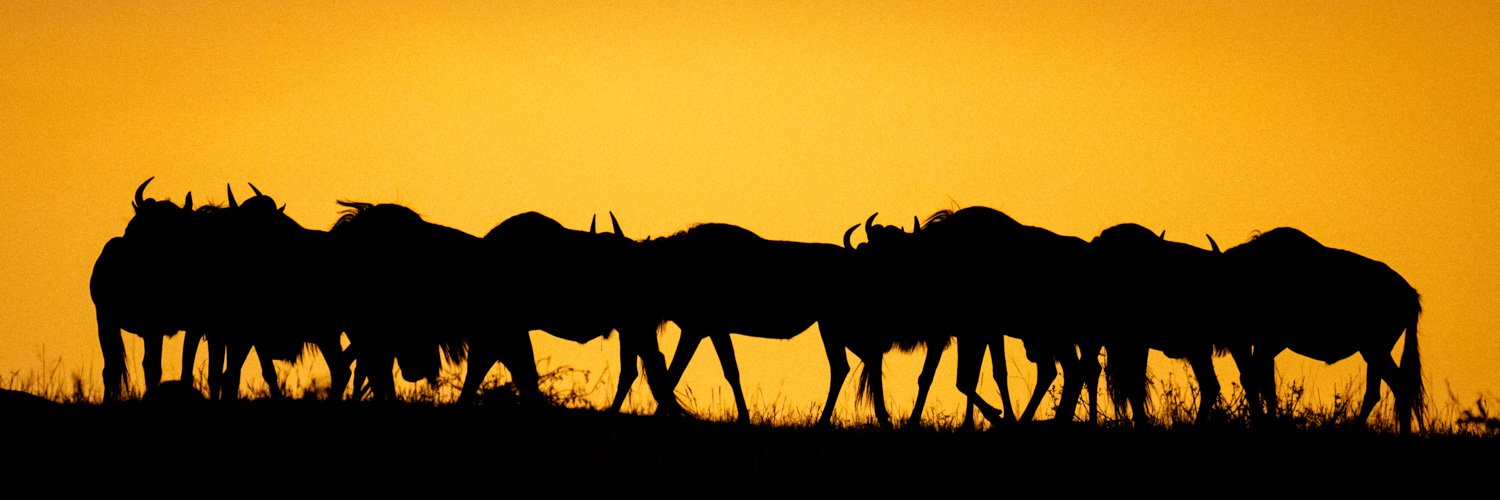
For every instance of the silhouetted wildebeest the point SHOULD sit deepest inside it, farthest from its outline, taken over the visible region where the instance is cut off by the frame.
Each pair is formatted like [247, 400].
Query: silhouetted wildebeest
[716, 279]
[558, 280]
[1291, 292]
[414, 289]
[141, 284]
[885, 289]
[1158, 294]
[984, 275]
[279, 281]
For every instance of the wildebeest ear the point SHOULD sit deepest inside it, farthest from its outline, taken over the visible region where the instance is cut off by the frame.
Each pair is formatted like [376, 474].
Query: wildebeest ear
[187, 203]
[593, 219]
[1163, 234]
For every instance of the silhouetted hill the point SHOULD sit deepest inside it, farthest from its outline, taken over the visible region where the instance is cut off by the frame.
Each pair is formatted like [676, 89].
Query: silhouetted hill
[317, 445]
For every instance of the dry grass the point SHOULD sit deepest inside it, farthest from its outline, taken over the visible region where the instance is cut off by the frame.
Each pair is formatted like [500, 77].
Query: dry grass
[1173, 406]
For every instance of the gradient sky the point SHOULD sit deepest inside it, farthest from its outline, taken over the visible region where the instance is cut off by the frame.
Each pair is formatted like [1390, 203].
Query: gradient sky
[1371, 127]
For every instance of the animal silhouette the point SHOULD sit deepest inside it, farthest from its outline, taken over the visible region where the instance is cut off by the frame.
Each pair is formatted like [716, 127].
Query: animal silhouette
[1156, 294]
[558, 280]
[416, 291]
[1291, 292]
[1004, 278]
[884, 284]
[280, 279]
[716, 279]
[141, 283]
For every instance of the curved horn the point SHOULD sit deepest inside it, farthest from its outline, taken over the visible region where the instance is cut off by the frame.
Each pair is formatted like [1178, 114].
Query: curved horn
[232, 203]
[616, 224]
[591, 224]
[1213, 244]
[916, 224]
[252, 188]
[870, 222]
[187, 203]
[141, 191]
[847, 234]
[1163, 234]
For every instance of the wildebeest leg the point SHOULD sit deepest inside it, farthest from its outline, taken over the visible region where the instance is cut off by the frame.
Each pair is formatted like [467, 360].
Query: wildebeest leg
[998, 371]
[190, 341]
[1088, 362]
[151, 361]
[114, 355]
[1246, 365]
[1073, 384]
[628, 372]
[358, 380]
[1127, 379]
[268, 373]
[838, 370]
[1046, 372]
[519, 358]
[1379, 366]
[686, 346]
[1265, 381]
[649, 351]
[381, 378]
[725, 348]
[1208, 383]
[640, 343]
[234, 363]
[482, 358]
[970, 360]
[924, 383]
[874, 379]
[338, 366]
[215, 366]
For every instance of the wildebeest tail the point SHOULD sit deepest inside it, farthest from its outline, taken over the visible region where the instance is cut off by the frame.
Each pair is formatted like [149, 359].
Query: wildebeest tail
[867, 373]
[1411, 365]
[1125, 373]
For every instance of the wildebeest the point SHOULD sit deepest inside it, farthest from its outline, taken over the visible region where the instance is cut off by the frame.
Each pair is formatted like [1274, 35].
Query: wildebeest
[716, 279]
[572, 285]
[141, 284]
[1291, 292]
[412, 289]
[884, 286]
[279, 281]
[1158, 294]
[984, 275]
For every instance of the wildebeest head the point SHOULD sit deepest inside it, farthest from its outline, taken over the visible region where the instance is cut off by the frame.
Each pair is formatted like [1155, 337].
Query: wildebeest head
[157, 218]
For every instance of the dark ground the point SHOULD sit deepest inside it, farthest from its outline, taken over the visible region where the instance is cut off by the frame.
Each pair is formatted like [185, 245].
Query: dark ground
[303, 447]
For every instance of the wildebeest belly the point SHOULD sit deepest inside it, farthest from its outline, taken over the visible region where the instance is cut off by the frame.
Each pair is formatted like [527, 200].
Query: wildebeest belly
[781, 328]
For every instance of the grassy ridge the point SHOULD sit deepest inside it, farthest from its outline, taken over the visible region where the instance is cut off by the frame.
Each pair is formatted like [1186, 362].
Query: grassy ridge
[570, 449]
[365, 445]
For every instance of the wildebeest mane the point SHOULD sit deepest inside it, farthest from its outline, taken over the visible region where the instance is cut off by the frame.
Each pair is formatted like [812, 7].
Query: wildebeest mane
[1285, 236]
[718, 231]
[948, 215]
[386, 212]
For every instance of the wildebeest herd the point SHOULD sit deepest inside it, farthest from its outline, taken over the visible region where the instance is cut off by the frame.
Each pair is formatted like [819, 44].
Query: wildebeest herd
[412, 293]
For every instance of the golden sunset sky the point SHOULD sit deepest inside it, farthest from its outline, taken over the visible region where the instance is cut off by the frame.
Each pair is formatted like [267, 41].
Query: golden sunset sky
[1372, 126]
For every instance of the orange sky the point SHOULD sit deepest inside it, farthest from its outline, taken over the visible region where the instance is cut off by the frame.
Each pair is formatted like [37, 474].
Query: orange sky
[1371, 128]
